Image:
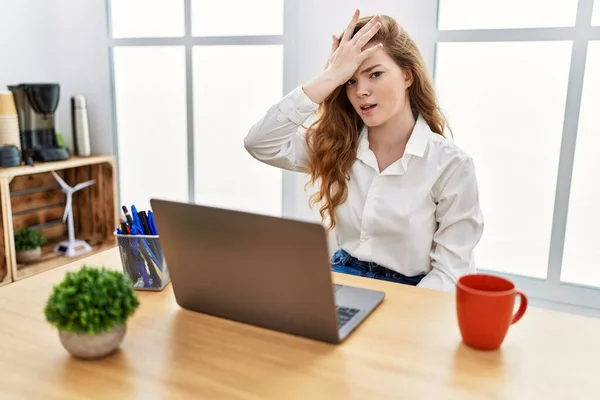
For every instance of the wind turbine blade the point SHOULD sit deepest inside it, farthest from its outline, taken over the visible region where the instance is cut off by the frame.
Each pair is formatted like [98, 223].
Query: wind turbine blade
[82, 185]
[62, 183]
[67, 207]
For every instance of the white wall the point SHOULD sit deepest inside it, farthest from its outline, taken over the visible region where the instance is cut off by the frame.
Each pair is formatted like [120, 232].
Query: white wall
[309, 28]
[82, 61]
[24, 51]
[61, 41]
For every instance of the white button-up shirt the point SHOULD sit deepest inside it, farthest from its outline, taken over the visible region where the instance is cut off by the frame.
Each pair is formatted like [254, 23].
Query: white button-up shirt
[421, 215]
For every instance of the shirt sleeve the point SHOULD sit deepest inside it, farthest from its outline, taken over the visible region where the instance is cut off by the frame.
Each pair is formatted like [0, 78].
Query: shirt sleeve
[460, 227]
[278, 138]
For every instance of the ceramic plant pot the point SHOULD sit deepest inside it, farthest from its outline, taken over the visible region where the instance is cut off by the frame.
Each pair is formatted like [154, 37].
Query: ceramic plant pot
[25, 256]
[93, 346]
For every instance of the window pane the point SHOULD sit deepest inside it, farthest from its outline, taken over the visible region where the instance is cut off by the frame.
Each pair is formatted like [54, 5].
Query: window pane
[227, 101]
[581, 257]
[143, 18]
[151, 122]
[499, 14]
[266, 17]
[505, 106]
[596, 13]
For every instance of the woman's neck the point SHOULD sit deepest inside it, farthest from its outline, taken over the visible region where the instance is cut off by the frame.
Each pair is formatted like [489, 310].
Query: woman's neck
[393, 133]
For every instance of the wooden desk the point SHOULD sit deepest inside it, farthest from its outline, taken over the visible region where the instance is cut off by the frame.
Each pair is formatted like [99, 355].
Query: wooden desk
[409, 348]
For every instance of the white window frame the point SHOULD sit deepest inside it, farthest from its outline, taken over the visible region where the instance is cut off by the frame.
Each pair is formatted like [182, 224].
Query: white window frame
[188, 42]
[551, 292]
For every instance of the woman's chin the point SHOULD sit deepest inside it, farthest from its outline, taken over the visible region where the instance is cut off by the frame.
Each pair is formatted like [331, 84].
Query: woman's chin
[370, 121]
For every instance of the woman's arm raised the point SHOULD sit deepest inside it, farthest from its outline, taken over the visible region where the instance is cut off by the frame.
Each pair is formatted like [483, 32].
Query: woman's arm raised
[277, 138]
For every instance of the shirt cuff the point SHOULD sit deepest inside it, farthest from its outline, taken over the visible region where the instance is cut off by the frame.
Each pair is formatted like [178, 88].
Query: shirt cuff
[437, 280]
[297, 106]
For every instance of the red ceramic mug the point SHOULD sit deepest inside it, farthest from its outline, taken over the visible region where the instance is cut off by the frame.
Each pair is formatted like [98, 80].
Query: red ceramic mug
[485, 307]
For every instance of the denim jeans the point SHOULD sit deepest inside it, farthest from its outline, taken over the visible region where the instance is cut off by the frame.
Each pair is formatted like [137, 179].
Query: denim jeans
[345, 263]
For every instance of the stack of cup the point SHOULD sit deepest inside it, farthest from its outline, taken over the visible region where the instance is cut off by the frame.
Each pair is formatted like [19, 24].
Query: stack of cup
[9, 122]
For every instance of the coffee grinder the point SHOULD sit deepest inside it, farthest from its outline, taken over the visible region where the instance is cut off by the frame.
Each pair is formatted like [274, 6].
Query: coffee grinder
[36, 104]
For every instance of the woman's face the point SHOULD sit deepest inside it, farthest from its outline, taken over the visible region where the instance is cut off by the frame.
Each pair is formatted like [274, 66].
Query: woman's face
[377, 90]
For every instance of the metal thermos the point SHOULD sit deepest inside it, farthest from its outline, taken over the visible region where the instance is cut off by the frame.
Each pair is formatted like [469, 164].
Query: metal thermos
[81, 128]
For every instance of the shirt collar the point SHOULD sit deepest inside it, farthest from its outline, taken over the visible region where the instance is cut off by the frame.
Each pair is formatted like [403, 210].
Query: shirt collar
[416, 146]
[417, 143]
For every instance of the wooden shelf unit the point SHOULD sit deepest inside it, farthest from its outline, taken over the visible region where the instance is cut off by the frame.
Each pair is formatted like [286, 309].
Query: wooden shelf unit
[5, 269]
[32, 198]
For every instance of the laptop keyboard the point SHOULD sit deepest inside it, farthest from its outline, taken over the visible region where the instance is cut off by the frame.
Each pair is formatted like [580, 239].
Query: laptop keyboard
[345, 314]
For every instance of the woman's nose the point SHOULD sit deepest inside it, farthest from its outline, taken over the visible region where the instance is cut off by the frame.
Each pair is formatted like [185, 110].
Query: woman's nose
[362, 89]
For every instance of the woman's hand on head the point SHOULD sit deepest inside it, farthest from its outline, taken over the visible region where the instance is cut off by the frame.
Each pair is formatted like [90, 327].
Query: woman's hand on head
[346, 56]
[347, 52]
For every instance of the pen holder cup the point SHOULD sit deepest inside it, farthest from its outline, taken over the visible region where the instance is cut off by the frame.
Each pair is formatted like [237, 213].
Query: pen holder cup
[143, 261]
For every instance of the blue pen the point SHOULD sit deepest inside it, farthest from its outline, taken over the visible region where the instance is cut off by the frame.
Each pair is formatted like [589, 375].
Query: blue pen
[155, 270]
[140, 264]
[158, 250]
[146, 254]
[141, 267]
[152, 243]
[140, 227]
[136, 219]
[151, 222]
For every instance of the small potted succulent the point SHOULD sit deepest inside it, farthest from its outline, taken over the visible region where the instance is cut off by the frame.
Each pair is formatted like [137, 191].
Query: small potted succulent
[28, 244]
[90, 307]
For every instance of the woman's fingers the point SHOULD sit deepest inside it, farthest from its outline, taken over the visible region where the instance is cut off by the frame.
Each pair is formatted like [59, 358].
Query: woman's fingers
[365, 30]
[369, 52]
[350, 28]
[335, 43]
[364, 39]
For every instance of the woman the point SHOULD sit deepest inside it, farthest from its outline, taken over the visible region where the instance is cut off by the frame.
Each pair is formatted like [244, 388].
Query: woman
[402, 198]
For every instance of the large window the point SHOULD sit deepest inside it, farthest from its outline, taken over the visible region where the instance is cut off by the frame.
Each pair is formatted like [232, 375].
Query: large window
[581, 260]
[190, 78]
[521, 92]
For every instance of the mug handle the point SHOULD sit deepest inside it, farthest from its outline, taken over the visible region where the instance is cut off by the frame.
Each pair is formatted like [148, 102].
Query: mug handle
[522, 308]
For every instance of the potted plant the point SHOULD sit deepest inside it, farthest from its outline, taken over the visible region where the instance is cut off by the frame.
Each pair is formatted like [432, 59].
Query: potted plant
[28, 244]
[90, 308]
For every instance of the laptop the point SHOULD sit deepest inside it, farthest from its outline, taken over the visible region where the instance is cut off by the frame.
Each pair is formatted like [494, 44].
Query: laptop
[257, 269]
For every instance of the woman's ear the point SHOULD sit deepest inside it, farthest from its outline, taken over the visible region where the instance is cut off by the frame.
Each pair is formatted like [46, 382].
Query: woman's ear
[408, 78]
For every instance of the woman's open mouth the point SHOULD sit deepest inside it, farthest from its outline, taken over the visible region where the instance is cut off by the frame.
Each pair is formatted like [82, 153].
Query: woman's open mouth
[367, 108]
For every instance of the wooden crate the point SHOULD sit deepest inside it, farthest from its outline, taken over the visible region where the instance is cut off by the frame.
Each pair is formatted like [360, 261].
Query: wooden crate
[32, 198]
[5, 251]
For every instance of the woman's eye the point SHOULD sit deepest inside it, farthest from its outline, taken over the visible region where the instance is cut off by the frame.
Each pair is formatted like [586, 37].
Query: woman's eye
[350, 82]
[376, 74]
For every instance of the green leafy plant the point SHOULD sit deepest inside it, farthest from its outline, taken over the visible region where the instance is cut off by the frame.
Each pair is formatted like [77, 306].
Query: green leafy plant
[28, 239]
[91, 301]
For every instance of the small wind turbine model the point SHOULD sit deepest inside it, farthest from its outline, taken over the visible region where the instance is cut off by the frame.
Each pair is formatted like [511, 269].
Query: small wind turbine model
[72, 247]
